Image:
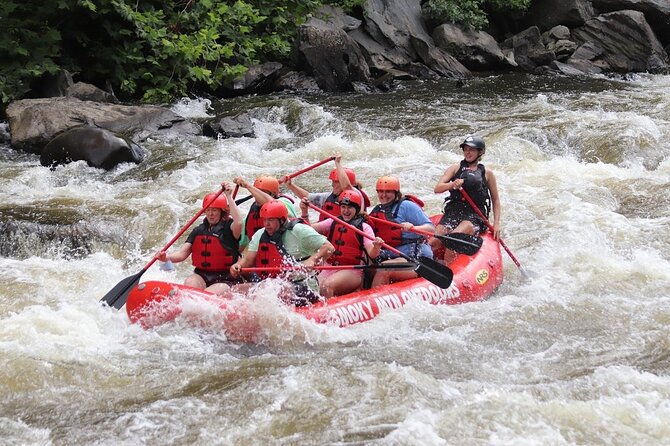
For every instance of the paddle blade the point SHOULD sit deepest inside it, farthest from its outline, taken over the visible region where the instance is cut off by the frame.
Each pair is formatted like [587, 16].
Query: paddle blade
[434, 272]
[118, 295]
[462, 243]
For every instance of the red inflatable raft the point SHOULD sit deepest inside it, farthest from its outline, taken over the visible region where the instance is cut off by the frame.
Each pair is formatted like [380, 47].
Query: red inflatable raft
[475, 278]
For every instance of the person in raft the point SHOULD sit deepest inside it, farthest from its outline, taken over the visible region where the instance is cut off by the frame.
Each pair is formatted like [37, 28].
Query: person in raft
[342, 179]
[213, 245]
[480, 185]
[285, 244]
[264, 189]
[350, 248]
[406, 210]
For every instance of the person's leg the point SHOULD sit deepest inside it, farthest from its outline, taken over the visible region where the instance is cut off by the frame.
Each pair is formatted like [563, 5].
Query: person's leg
[341, 282]
[386, 276]
[465, 227]
[435, 243]
[218, 288]
[195, 281]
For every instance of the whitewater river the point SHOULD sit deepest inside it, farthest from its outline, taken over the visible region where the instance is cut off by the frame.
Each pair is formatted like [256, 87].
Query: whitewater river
[578, 355]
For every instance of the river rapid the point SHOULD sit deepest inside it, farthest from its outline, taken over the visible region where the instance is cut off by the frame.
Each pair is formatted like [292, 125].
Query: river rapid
[578, 355]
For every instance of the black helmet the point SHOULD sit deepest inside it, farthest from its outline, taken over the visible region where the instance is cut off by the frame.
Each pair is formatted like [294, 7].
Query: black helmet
[475, 141]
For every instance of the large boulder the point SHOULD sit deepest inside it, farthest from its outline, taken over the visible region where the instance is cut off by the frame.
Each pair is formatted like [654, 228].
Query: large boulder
[627, 42]
[528, 49]
[34, 122]
[399, 27]
[546, 14]
[477, 50]
[333, 58]
[98, 147]
[657, 13]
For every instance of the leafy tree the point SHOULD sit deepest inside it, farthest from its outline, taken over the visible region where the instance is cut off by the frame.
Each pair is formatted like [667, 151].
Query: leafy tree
[30, 44]
[469, 12]
[155, 50]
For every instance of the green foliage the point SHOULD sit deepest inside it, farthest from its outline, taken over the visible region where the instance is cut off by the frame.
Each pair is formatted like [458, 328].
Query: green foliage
[347, 6]
[155, 50]
[469, 12]
[29, 45]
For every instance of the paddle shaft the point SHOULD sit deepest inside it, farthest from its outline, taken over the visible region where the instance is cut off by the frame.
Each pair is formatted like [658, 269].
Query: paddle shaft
[358, 231]
[308, 168]
[325, 267]
[467, 247]
[492, 229]
[426, 267]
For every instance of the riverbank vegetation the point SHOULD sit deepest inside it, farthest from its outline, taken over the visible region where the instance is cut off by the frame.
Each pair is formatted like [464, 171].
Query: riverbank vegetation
[158, 50]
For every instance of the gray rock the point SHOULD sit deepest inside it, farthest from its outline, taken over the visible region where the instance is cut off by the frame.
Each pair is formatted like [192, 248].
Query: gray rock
[34, 122]
[628, 43]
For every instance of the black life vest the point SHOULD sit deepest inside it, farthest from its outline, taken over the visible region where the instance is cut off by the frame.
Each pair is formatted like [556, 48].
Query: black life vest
[349, 247]
[214, 248]
[331, 206]
[475, 185]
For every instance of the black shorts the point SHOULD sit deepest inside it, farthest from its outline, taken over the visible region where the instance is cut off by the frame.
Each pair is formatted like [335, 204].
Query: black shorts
[454, 215]
[212, 277]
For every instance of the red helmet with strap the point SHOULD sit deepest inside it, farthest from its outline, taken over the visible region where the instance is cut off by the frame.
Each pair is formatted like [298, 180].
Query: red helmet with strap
[274, 209]
[350, 198]
[350, 174]
[220, 202]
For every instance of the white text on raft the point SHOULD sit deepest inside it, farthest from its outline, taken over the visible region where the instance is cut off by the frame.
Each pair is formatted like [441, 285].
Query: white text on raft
[364, 310]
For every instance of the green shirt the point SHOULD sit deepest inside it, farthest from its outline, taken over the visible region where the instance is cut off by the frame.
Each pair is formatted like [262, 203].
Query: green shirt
[300, 242]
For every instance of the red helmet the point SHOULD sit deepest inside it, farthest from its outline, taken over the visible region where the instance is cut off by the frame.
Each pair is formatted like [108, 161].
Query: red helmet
[220, 202]
[267, 184]
[350, 198]
[274, 209]
[388, 183]
[350, 174]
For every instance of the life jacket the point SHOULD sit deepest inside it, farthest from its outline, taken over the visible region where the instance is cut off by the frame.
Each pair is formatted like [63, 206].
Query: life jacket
[331, 206]
[349, 247]
[271, 252]
[475, 185]
[215, 248]
[392, 235]
[254, 222]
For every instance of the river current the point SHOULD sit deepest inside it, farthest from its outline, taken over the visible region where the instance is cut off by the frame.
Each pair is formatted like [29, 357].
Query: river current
[577, 355]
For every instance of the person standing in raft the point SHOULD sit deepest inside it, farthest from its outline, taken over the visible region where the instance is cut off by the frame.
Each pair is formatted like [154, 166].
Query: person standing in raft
[480, 185]
[285, 244]
[213, 245]
[350, 247]
[406, 210]
[342, 179]
[264, 189]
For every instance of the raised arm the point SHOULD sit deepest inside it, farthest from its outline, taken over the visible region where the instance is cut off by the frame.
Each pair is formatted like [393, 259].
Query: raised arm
[235, 214]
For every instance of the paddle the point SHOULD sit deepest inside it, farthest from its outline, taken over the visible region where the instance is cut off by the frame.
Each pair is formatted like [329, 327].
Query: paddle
[491, 228]
[308, 168]
[464, 243]
[426, 267]
[255, 269]
[118, 295]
